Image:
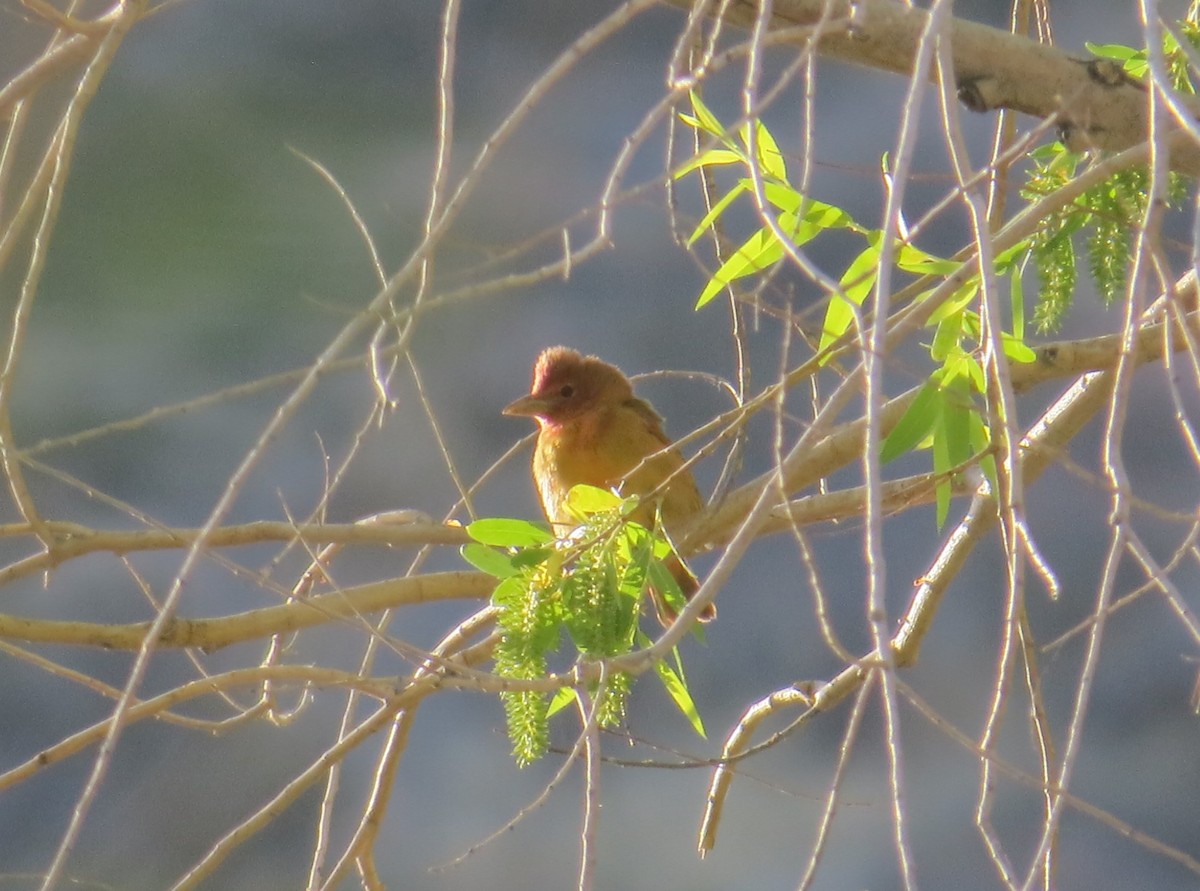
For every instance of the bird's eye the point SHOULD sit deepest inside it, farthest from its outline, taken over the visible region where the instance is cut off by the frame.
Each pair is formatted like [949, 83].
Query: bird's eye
[567, 391]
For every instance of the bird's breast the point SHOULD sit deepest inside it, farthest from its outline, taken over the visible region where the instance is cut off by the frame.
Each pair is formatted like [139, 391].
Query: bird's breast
[571, 454]
[609, 449]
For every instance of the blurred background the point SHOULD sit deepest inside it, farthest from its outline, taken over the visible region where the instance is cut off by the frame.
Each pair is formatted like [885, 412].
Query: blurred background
[196, 251]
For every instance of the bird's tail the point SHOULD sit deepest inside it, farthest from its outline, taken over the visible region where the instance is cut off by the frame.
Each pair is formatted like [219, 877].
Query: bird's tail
[688, 586]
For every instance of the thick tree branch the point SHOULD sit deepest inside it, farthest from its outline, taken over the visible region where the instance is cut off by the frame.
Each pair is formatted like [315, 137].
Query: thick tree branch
[1094, 103]
[213, 634]
[844, 444]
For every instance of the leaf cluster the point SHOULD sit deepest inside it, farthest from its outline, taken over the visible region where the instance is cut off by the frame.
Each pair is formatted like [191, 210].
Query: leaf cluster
[948, 415]
[586, 589]
[1106, 215]
[951, 415]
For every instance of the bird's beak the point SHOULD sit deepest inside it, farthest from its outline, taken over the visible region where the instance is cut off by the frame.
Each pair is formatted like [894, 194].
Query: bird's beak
[526, 407]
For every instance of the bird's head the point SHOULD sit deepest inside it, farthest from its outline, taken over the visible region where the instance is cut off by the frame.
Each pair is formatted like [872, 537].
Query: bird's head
[567, 385]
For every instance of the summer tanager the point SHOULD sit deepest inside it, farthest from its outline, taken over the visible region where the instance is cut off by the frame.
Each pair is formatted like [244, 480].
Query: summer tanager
[593, 430]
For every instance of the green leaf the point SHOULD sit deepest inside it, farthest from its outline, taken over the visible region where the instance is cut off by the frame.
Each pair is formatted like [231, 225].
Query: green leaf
[781, 195]
[711, 158]
[912, 259]
[1112, 50]
[839, 316]
[489, 560]
[977, 381]
[770, 158]
[529, 557]
[956, 424]
[817, 218]
[583, 501]
[826, 216]
[956, 302]
[857, 282]
[1049, 152]
[678, 692]
[951, 438]
[717, 209]
[941, 462]
[947, 339]
[1016, 349]
[760, 251]
[914, 425]
[788, 199]
[705, 119]
[980, 443]
[1017, 299]
[507, 533]
[795, 229]
[666, 586]
[942, 497]
[511, 593]
[1006, 259]
[564, 697]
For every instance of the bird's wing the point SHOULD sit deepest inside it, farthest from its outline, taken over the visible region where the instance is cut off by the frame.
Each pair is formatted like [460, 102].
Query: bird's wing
[681, 499]
[654, 421]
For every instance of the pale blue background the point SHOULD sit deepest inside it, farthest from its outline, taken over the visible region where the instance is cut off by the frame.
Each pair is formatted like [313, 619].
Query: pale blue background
[195, 252]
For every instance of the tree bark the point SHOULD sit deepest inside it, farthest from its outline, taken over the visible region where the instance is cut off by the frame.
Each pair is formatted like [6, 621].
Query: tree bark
[1092, 101]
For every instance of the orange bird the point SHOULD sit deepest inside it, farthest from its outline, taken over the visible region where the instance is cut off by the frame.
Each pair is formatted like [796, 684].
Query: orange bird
[593, 430]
